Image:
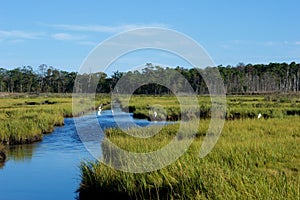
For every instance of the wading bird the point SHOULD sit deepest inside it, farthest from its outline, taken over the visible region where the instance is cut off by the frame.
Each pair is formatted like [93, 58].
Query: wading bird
[100, 109]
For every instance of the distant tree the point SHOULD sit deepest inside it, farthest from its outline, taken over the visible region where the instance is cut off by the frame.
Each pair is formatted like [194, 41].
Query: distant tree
[272, 77]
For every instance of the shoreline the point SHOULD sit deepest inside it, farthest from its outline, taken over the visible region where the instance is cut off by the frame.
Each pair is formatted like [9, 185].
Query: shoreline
[3, 155]
[36, 137]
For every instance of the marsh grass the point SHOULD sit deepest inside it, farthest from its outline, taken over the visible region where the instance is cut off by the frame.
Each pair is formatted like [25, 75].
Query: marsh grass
[26, 119]
[253, 159]
[238, 107]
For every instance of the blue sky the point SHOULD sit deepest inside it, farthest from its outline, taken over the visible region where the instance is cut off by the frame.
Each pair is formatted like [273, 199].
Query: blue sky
[62, 33]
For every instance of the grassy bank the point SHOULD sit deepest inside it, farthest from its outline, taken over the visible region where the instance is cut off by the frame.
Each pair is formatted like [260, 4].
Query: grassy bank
[238, 106]
[24, 119]
[253, 159]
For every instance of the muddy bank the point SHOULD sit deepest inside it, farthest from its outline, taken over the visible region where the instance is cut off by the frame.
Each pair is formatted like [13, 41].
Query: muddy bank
[2, 154]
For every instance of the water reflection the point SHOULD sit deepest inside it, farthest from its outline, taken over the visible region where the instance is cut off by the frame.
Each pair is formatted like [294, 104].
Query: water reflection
[21, 152]
[2, 164]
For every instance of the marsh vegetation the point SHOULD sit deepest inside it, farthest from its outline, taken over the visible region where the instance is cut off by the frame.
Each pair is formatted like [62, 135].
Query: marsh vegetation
[238, 106]
[253, 159]
[24, 119]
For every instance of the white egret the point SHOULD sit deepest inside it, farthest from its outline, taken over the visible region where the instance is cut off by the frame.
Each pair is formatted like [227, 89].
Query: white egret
[100, 109]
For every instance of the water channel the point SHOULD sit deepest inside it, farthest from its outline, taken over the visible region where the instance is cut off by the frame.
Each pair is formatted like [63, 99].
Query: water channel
[50, 169]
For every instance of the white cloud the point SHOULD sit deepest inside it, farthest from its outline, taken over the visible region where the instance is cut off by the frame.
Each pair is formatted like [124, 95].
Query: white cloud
[297, 43]
[232, 43]
[277, 43]
[16, 34]
[68, 32]
[66, 36]
[104, 29]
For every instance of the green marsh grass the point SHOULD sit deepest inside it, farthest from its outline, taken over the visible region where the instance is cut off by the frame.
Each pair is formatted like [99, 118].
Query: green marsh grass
[253, 159]
[238, 107]
[26, 119]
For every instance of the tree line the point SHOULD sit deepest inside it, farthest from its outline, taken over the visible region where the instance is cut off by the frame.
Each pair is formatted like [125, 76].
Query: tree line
[239, 79]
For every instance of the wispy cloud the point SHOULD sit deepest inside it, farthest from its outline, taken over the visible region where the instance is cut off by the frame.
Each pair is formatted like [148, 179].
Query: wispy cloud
[297, 43]
[104, 29]
[17, 34]
[69, 32]
[235, 43]
[67, 36]
[277, 43]
[78, 39]
[282, 43]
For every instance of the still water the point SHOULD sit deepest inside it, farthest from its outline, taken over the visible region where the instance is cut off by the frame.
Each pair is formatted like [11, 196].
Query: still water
[50, 169]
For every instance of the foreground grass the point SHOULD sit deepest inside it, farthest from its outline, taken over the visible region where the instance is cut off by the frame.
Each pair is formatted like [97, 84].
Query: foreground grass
[253, 159]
